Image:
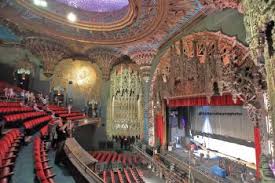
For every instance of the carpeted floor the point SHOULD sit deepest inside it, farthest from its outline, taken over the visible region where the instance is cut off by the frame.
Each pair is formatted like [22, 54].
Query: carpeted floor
[24, 169]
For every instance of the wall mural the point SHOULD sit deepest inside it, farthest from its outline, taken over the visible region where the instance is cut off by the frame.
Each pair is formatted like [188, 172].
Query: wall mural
[125, 111]
[84, 75]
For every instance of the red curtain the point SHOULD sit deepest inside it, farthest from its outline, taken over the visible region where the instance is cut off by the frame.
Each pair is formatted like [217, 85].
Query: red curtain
[225, 100]
[159, 127]
[257, 141]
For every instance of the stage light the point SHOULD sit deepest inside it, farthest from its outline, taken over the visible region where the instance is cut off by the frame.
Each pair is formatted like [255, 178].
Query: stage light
[71, 17]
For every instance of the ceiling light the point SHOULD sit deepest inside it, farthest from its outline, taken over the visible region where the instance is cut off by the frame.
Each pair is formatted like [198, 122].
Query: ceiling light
[71, 17]
[41, 3]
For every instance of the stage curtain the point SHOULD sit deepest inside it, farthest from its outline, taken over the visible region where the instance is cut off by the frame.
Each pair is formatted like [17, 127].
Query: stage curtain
[225, 100]
[257, 141]
[159, 127]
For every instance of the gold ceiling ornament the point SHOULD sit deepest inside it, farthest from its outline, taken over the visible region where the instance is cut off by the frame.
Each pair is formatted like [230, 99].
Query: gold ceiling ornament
[125, 21]
[125, 109]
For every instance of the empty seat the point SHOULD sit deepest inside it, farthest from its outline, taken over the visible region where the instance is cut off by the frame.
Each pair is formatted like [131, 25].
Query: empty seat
[42, 169]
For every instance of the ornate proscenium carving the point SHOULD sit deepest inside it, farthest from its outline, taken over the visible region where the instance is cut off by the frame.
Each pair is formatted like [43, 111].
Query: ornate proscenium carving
[50, 51]
[105, 58]
[209, 63]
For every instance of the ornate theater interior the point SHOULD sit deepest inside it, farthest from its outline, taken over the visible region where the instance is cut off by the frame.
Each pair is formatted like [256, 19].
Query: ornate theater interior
[133, 91]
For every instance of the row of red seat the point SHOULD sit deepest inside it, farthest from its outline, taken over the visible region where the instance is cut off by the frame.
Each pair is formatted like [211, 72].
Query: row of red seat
[104, 176]
[42, 168]
[9, 104]
[35, 122]
[127, 175]
[22, 116]
[6, 110]
[120, 177]
[10, 145]
[111, 157]
[61, 112]
[44, 131]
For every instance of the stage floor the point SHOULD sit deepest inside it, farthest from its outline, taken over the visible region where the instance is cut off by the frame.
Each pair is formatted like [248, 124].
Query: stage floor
[205, 165]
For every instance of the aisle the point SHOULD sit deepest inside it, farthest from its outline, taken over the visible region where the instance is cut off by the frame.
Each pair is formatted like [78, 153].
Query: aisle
[23, 171]
[62, 174]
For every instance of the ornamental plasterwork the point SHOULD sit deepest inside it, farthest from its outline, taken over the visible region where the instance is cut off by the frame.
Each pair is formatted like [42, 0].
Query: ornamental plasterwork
[195, 63]
[105, 58]
[50, 52]
[259, 20]
[222, 4]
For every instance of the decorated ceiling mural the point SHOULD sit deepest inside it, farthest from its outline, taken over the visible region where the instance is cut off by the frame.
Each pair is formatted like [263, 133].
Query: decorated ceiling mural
[97, 5]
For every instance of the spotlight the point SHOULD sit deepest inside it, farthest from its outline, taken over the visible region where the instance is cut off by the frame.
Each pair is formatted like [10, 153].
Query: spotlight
[71, 17]
[41, 3]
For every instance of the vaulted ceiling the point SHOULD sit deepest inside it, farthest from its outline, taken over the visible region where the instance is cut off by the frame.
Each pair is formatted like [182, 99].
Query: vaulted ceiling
[126, 27]
[117, 23]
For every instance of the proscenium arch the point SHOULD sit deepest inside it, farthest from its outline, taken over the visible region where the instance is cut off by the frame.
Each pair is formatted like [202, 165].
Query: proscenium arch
[239, 74]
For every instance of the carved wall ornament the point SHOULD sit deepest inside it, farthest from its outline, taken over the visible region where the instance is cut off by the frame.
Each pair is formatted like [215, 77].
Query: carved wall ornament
[259, 20]
[50, 52]
[105, 58]
[222, 4]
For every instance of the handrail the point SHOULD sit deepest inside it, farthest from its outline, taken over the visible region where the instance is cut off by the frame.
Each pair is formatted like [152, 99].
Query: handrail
[157, 163]
[86, 169]
[192, 168]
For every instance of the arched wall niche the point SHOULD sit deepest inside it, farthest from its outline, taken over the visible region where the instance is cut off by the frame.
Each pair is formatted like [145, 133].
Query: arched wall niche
[85, 76]
[192, 65]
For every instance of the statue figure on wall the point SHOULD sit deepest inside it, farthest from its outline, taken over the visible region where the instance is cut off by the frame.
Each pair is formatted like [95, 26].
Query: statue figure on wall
[93, 108]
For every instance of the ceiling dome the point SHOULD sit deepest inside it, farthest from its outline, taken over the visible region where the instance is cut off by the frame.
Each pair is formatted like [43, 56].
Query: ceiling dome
[96, 5]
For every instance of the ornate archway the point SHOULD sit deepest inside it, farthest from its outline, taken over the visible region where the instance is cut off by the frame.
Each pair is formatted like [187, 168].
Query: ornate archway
[198, 61]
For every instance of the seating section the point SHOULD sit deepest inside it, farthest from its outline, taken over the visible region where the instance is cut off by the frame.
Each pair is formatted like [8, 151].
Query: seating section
[120, 167]
[10, 145]
[6, 110]
[42, 168]
[36, 123]
[9, 104]
[22, 116]
[63, 113]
